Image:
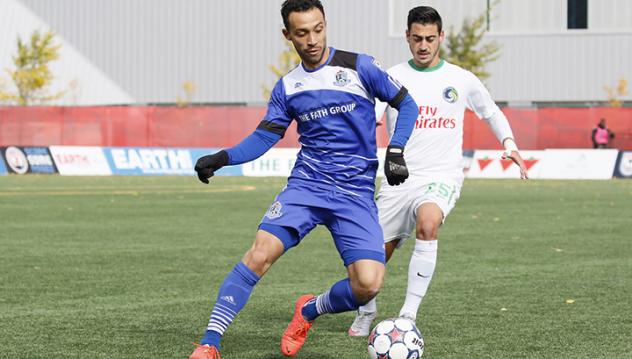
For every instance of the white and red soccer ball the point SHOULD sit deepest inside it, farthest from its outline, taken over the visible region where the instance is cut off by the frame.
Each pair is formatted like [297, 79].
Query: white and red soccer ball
[396, 338]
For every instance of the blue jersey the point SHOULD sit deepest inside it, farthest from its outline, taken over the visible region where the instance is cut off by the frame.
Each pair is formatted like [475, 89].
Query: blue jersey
[334, 109]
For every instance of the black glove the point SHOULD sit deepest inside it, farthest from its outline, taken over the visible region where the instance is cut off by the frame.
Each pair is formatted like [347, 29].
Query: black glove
[395, 167]
[207, 165]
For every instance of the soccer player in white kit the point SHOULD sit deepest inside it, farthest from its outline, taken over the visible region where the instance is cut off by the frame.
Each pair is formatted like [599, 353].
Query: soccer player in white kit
[434, 155]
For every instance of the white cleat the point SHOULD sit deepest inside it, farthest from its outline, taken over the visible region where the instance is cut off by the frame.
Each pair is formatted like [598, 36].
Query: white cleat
[361, 326]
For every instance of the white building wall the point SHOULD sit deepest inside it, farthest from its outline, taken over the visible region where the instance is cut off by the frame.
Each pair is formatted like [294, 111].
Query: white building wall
[520, 16]
[457, 10]
[540, 59]
[530, 17]
[149, 48]
[77, 80]
[610, 15]
[560, 67]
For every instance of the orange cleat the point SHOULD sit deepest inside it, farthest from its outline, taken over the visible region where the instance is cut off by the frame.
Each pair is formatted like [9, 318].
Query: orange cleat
[294, 336]
[205, 352]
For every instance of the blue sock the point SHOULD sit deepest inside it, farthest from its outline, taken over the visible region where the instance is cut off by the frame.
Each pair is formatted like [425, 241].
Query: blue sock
[212, 338]
[232, 297]
[309, 310]
[339, 298]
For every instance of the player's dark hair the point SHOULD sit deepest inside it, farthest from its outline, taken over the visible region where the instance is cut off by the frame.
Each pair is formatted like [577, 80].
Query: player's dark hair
[424, 15]
[290, 6]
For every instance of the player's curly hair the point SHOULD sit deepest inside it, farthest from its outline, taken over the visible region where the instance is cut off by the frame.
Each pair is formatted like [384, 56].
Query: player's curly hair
[290, 6]
[424, 15]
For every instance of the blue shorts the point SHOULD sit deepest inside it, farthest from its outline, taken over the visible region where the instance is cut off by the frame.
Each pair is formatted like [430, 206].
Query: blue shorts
[352, 221]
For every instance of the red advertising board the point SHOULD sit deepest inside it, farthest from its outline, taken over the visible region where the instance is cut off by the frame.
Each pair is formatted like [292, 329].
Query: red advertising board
[222, 126]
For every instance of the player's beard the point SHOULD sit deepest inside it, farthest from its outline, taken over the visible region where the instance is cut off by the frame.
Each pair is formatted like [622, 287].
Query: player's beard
[427, 60]
[313, 60]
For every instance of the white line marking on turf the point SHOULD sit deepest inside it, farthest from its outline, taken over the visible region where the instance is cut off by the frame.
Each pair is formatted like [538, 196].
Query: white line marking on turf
[123, 193]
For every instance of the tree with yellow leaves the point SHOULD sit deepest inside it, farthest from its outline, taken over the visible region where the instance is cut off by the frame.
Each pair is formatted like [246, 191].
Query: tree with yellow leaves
[464, 47]
[288, 60]
[32, 75]
[189, 89]
[615, 94]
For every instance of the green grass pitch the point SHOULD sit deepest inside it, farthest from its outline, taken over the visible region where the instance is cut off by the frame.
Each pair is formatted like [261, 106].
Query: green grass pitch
[127, 267]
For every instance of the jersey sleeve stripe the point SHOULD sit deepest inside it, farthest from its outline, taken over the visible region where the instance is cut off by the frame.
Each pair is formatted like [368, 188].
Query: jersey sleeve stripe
[272, 127]
[395, 101]
[344, 59]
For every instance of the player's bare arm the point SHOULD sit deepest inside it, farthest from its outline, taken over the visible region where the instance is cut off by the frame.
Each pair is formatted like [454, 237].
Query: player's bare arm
[514, 155]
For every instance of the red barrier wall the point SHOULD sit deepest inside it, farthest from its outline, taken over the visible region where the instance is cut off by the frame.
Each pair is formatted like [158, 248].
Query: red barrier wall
[537, 129]
[225, 126]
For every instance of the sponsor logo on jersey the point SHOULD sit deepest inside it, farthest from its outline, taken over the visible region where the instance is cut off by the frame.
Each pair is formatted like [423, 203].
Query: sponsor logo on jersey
[450, 94]
[440, 122]
[342, 78]
[298, 85]
[322, 112]
[427, 119]
[275, 210]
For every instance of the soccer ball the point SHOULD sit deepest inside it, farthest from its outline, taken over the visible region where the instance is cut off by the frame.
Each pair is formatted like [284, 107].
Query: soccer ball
[396, 338]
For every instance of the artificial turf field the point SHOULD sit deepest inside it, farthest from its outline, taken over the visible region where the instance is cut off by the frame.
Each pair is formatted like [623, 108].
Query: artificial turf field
[127, 267]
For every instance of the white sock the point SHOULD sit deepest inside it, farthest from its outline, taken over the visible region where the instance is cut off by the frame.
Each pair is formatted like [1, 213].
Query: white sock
[370, 307]
[420, 270]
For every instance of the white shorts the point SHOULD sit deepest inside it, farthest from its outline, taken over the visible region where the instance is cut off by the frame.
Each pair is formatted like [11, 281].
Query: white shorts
[397, 205]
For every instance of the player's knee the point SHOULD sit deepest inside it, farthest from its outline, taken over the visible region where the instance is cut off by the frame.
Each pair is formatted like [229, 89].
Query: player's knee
[366, 289]
[427, 231]
[264, 252]
[256, 260]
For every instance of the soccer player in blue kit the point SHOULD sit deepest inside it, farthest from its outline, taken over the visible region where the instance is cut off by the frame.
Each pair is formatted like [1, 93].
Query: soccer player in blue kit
[331, 96]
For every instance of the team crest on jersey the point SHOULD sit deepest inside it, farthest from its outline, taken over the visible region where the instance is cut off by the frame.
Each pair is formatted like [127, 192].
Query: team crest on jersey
[450, 94]
[275, 210]
[342, 78]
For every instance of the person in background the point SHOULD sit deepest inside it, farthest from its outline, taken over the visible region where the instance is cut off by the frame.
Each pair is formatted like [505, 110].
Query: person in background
[601, 135]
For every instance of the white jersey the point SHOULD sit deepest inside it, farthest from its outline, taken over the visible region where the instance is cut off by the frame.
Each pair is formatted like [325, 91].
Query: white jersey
[443, 92]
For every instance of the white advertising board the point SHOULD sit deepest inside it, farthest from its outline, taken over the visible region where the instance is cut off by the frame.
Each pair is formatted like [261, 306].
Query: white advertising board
[579, 164]
[80, 161]
[489, 164]
[278, 162]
